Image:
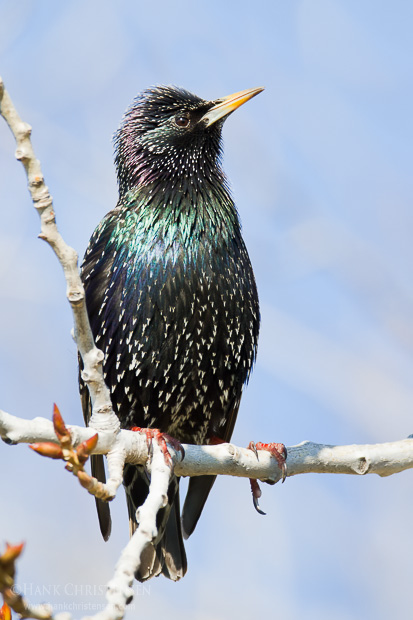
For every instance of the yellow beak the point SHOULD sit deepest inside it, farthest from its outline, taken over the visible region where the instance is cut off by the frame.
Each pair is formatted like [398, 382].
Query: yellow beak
[225, 106]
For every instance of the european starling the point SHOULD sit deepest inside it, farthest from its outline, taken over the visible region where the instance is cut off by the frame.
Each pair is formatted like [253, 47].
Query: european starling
[172, 298]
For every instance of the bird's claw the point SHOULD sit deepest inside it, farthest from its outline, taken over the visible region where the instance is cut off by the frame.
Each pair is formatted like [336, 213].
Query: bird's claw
[283, 472]
[163, 440]
[256, 494]
[252, 446]
[279, 452]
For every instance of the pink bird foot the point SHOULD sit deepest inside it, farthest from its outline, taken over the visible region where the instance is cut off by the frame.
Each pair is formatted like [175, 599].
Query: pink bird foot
[279, 452]
[163, 439]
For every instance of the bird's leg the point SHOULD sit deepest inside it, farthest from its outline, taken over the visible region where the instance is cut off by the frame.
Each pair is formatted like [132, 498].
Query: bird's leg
[215, 441]
[163, 439]
[279, 452]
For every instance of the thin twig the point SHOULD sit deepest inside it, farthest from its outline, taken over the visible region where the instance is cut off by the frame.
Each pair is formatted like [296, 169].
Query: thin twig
[103, 416]
[120, 592]
[92, 356]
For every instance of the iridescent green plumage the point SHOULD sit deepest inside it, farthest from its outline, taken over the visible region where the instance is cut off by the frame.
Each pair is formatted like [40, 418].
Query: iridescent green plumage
[171, 296]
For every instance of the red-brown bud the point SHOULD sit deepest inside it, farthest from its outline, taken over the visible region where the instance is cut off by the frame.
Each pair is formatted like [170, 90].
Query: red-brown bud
[47, 448]
[12, 553]
[86, 447]
[59, 425]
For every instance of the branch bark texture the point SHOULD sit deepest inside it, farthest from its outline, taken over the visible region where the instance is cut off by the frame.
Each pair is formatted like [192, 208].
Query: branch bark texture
[228, 459]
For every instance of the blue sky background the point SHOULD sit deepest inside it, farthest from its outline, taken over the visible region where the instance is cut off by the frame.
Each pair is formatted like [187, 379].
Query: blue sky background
[320, 165]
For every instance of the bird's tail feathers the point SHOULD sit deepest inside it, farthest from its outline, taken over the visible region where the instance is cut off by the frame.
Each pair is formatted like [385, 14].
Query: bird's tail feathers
[166, 554]
[98, 471]
[198, 491]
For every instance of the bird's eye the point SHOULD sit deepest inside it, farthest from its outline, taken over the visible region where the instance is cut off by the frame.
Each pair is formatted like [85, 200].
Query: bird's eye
[181, 120]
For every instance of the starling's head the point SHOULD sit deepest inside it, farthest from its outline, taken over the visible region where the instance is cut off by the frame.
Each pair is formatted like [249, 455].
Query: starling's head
[169, 133]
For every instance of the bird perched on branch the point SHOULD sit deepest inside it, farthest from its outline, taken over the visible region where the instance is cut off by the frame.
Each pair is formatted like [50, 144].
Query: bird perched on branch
[171, 298]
